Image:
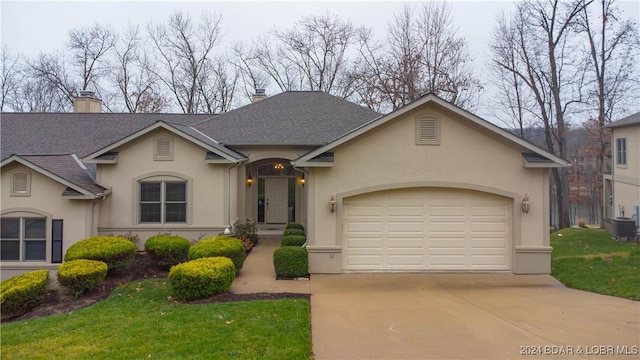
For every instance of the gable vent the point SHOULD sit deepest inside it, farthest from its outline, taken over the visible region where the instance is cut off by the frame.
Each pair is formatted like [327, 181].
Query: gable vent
[163, 149]
[427, 130]
[20, 183]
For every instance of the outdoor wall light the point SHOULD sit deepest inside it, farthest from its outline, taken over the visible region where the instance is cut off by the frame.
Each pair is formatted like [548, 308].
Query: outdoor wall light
[332, 204]
[302, 180]
[249, 180]
[526, 203]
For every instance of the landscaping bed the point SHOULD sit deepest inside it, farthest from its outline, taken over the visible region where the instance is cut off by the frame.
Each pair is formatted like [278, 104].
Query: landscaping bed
[143, 267]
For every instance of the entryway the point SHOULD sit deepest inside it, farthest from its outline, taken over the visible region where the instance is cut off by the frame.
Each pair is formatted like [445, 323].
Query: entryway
[278, 198]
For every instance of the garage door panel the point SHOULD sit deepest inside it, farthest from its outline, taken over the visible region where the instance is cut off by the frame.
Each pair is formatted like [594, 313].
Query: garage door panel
[416, 243]
[427, 229]
[405, 226]
[489, 260]
[405, 260]
[488, 243]
[364, 210]
[355, 227]
[446, 210]
[364, 261]
[488, 226]
[499, 211]
[365, 243]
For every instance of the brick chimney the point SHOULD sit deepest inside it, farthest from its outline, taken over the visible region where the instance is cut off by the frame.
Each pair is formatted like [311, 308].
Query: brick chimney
[87, 102]
[259, 95]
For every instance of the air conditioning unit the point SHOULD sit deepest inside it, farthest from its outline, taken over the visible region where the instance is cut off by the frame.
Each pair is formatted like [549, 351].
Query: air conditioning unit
[624, 228]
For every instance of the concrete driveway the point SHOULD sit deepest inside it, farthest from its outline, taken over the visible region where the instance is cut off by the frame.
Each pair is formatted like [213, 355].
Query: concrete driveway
[467, 316]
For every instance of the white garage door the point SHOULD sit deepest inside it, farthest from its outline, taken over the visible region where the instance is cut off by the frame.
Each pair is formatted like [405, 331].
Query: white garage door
[426, 229]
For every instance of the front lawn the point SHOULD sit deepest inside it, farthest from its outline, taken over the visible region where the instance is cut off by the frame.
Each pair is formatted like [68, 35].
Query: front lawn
[139, 320]
[590, 260]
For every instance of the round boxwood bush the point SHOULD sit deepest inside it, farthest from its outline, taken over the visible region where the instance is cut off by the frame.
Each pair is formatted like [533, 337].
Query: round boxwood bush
[291, 262]
[80, 276]
[293, 232]
[23, 292]
[168, 250]
[293, 240]
[117, 252]
[226, 246]
[294, 226]
[201, 278]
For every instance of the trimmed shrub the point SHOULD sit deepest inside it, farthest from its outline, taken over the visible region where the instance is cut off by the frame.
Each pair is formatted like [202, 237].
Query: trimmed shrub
[23, 292]
[80, 276]
[293, 232]
[291, 262]
[226, 246]
[117, 252]
[248, 231]
[293, 240]
[201, 278]
[168, 250]
[295, 226]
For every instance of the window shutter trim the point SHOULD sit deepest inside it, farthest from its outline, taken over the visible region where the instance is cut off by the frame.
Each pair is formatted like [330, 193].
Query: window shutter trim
[56, 241]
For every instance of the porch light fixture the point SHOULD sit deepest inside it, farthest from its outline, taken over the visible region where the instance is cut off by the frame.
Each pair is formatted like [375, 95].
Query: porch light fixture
[302, 180]
[249, 180]
[332, 204]
[525, 203]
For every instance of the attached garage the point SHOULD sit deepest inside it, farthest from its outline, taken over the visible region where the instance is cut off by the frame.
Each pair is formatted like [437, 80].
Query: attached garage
[418, 229]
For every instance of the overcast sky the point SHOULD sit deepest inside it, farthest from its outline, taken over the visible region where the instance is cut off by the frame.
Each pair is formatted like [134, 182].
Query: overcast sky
[31, 27]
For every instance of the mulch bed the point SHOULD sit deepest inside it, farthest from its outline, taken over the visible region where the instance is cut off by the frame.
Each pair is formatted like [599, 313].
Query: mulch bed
[143, 267]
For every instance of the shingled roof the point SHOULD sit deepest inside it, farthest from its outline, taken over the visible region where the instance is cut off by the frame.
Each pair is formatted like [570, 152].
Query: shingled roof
[67, 169]
[633, 119]
[290, 118]
[78, 133]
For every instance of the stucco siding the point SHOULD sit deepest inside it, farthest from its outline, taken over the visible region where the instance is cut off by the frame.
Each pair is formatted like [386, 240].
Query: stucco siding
[468, 157]
[45, 200]
[207, 187]
[626, 179]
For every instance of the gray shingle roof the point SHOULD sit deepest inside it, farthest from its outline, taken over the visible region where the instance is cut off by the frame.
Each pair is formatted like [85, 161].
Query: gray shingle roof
[633, 119]
[79, 133]
[66, 167]
[289, 118]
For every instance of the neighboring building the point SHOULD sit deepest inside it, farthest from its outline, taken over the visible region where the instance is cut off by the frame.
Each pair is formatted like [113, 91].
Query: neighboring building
[622, 173]
[429, 187]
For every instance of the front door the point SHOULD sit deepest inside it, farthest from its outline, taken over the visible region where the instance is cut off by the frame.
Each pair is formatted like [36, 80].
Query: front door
[276, 200]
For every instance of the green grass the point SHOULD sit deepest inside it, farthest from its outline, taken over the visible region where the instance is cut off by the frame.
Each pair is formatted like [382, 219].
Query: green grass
[139, 320]
[590, 260]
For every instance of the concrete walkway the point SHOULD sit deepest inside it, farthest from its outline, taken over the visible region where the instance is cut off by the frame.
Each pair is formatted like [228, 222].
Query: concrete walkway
[258, 276]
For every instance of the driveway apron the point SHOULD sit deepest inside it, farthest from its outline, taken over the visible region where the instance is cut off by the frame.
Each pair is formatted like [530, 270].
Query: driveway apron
[467, 316]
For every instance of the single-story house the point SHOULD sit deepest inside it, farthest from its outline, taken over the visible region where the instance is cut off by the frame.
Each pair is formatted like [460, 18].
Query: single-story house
[429, 187]
[622, 176]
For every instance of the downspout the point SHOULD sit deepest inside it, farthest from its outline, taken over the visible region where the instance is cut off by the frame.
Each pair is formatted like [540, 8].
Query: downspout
[230, 227]
[98, 198]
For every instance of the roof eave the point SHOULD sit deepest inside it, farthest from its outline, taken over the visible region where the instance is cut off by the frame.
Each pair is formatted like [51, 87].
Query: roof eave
[91, 158]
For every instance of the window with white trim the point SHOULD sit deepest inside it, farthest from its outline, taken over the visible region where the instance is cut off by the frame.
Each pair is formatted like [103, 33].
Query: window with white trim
[163, 202]
[621, 151]
[163, 148]
[23, 239]
[427, 130]
[21, 184]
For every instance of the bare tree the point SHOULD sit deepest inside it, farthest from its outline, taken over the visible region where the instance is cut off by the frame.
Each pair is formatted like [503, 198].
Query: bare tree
[311, 55]
[186, 63]
[49, 73]
[535, 46]
[10, 77]
[136, 84]
[421, 54]
[88, 48]
[613, 49]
